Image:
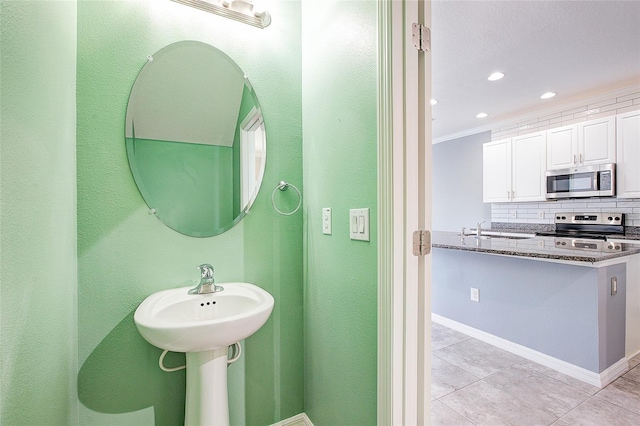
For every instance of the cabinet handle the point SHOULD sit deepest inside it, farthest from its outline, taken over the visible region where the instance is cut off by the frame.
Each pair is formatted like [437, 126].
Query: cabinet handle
[575, 159]
[580, 158]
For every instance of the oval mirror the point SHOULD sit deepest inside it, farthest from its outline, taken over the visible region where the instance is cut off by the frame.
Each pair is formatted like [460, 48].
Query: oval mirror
[195, 139]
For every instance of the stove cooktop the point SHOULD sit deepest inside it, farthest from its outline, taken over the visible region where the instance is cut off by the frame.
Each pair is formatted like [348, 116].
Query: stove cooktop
[586, 226]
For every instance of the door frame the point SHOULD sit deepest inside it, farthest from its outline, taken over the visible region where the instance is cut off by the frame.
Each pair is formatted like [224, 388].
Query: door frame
[404, 205]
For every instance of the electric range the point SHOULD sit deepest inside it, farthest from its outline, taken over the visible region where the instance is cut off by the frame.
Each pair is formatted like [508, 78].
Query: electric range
[587, 231]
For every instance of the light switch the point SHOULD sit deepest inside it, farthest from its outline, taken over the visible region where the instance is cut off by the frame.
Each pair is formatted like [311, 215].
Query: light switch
[326, 220]
[359, 220]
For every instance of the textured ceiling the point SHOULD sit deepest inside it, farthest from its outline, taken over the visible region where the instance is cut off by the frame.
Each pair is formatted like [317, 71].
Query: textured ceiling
[568, 47]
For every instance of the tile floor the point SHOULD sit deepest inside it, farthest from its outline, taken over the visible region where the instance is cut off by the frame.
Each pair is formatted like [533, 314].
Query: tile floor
[474, 383]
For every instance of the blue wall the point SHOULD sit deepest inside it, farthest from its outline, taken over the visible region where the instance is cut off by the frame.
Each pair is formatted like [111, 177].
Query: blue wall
[561, 310]
[457, 183]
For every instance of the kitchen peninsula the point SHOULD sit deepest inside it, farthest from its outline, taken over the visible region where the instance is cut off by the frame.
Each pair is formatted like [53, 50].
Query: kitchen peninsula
[560, 307]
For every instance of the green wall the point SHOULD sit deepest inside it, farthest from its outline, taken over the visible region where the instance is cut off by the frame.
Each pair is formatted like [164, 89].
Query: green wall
[38, 213]
[124, 254]
[339, 126]
[56, 321]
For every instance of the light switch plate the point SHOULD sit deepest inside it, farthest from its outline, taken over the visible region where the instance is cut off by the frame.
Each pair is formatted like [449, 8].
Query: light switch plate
[326, 220]
[359, 224]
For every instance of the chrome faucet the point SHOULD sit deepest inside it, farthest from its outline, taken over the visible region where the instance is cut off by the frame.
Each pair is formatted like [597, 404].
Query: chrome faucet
[479, 228]
[207, 283]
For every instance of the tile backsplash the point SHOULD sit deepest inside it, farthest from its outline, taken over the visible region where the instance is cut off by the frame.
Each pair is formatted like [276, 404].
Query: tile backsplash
[543, 212]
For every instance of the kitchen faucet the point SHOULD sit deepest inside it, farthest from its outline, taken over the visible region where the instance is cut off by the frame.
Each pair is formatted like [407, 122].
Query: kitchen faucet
[479, 228]
[207, 283]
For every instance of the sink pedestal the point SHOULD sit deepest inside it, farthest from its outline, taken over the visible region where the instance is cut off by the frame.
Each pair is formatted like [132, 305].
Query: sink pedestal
[206, 399]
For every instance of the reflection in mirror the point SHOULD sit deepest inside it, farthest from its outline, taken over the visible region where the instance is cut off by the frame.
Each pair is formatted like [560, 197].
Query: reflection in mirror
[195, 138]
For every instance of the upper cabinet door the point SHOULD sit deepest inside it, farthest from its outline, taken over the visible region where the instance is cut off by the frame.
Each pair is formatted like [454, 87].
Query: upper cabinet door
[496, 171]
[628, 144]
[597, 141]
[528, 166]
[562, 147]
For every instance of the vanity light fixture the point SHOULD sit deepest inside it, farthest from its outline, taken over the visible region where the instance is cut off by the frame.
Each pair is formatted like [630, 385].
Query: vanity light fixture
[245, 11]
[548, 95]
[482, 115]
[496, 76]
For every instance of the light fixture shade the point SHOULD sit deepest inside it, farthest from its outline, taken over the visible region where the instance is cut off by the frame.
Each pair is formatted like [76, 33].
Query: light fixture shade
[238, 10]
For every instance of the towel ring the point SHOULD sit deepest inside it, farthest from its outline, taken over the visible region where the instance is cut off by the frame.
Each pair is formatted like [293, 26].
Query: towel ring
[283, 186]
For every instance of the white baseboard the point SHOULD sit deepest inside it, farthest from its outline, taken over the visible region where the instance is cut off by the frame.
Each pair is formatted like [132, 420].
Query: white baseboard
[600, 380]
[297, 420]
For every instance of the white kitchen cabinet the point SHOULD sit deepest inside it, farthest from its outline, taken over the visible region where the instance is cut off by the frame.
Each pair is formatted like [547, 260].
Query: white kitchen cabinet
[528, 167]
[514, 169]
[628, 151]
[582, 144]
[562, 147]
[597, 141]
[496, 171]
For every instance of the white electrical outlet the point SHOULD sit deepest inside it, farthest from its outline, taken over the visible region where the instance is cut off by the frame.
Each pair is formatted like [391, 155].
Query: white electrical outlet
[326, 220]
[541, 215]
[514, 214]
[475, 294]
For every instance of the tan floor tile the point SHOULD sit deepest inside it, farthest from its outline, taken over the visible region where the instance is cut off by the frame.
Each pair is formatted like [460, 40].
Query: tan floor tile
[596, 412]
[441, 415]
[537, 389]
[484, 404]
[623, 393]
[447, 378]
[576, 383]
[478, 358]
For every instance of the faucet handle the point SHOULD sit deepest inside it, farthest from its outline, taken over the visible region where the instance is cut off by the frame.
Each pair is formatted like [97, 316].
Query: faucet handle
[206, 271]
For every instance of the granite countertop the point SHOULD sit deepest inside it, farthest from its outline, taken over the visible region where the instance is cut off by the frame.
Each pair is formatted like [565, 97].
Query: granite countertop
[535, 247]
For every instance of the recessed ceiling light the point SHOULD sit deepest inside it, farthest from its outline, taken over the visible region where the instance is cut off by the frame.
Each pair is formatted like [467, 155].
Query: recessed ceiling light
[433, 101]
[548, 95]
[482, 115]
[496, 76]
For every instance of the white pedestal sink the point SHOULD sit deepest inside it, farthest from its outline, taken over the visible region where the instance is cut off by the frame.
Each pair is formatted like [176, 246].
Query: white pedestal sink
[204, 326]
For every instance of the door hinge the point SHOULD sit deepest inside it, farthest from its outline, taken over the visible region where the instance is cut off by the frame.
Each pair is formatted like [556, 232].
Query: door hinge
[421, 36]
[421, 243]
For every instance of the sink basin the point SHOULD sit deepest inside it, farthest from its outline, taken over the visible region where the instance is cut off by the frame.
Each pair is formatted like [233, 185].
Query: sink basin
[181, 322]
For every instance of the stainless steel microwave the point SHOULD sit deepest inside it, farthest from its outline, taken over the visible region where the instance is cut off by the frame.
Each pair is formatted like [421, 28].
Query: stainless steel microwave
[587, 181]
